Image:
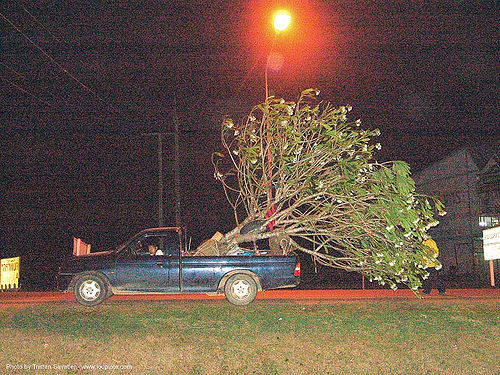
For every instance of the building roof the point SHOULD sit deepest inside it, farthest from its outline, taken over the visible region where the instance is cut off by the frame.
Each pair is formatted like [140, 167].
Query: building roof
[482, 150]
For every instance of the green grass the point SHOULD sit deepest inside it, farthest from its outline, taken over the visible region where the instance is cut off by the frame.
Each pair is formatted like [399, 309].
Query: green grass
[267, 337]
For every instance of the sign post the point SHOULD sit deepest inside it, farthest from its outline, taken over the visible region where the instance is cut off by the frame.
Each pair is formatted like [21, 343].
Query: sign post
[492, 274]
[491, 245]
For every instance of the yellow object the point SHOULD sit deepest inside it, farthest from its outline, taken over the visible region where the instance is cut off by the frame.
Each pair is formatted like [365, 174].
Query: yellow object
[9, 275]
[432, 252]
[217, 236]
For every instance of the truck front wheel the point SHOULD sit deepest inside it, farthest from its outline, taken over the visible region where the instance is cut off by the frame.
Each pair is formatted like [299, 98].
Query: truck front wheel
[240, 289]
[90, 289]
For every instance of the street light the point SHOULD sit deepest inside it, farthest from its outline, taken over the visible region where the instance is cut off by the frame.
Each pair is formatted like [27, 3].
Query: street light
[281, 21]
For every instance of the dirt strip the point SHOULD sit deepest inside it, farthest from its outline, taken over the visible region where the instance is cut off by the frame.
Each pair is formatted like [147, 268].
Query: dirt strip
[311, 295]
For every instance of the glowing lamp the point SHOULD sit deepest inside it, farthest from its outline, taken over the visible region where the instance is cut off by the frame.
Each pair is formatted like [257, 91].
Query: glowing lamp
[282, 20]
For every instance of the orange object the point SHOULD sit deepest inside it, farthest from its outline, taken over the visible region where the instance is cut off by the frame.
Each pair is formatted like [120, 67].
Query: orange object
[492, 274]
[270, 213]
[80, 247]
[296, 272]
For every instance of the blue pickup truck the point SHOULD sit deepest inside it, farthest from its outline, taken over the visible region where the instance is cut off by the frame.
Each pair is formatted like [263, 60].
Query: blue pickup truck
[154, 261]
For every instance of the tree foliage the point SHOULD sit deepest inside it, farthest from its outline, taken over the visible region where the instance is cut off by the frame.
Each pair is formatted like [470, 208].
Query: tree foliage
[306, 171]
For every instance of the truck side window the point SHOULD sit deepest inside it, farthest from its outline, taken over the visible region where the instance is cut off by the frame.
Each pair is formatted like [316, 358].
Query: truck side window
[171, 243]
[153, 246]
[132, 249]
[145, 245]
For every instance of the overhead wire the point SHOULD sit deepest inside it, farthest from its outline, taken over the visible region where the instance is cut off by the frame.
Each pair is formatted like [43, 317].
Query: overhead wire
[13, 71]
[40, 24]
[54, 61]
[26, 92]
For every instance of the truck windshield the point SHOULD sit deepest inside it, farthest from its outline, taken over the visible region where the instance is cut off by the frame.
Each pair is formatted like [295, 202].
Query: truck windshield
[122, 246]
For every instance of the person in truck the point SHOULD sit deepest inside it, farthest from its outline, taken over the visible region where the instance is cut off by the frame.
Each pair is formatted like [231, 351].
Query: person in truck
[153, 250]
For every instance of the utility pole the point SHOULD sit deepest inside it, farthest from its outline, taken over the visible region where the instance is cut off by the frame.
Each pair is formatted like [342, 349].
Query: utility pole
[160, 136]
[160, 180]
[177, 181]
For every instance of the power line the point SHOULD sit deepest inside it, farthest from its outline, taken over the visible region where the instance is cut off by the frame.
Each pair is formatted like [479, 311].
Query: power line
[26, 92]
[40, 24]
[13, 71]
[53, 60]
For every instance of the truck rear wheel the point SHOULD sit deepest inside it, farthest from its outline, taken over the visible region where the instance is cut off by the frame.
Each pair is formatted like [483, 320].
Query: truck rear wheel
[91, 289]
[240, 289]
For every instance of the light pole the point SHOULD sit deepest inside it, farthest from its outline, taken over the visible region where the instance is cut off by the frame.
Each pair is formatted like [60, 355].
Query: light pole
[281, 21]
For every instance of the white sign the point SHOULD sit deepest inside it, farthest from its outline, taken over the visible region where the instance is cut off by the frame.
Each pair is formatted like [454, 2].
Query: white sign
[491, 243]
[9, 275]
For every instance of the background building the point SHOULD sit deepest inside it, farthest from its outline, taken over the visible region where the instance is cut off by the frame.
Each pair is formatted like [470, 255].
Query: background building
[468, 182]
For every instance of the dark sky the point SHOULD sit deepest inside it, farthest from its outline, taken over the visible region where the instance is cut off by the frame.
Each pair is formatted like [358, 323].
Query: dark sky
[88, 78]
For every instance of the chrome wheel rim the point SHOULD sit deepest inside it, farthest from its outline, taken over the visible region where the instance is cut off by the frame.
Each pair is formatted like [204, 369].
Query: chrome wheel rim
[241, 289]
[90, 290]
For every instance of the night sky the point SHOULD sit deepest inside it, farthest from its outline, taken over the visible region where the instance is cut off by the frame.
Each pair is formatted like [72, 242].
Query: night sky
[81, 84]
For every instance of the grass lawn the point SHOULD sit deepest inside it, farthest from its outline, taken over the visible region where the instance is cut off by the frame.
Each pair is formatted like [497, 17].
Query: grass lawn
[268, 337]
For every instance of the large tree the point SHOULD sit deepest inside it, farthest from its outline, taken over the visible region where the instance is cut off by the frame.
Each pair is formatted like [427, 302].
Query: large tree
[304, 175]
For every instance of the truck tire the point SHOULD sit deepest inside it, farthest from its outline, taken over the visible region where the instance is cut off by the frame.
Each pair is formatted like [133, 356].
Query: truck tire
[240, 289]
[91, 289]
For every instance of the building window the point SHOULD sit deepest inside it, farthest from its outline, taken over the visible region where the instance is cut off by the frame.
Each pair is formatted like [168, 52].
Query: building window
[489, 221]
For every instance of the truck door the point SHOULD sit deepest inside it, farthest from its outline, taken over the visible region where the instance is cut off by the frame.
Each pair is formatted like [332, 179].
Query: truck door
[172, 242]
[142, 266]
[200, 274]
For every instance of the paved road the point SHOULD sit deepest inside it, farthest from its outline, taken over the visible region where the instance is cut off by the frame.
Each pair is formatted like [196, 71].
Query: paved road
[7, 298]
